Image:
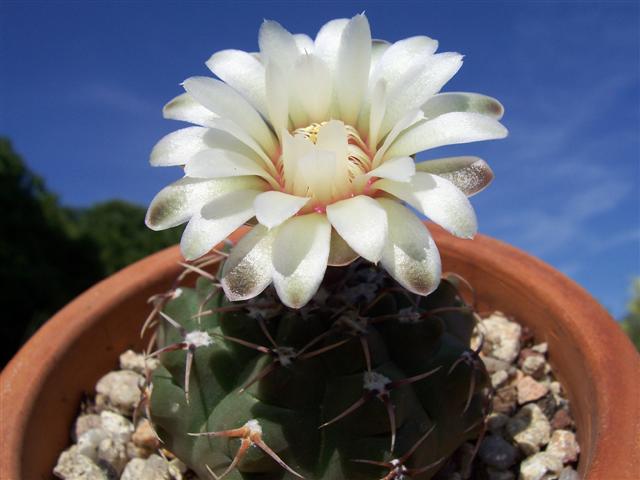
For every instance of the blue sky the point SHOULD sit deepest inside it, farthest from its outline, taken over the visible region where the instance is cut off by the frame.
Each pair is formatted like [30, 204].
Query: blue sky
[83, 84]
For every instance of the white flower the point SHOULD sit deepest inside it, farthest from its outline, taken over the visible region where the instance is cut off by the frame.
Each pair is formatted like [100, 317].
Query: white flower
[315, 140]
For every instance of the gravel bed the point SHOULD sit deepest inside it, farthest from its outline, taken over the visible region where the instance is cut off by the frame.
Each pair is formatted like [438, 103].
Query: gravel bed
[530, 434]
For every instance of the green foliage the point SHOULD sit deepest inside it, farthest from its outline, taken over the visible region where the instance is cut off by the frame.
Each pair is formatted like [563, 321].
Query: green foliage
[293, 371]
[631, 321]
[49, 253]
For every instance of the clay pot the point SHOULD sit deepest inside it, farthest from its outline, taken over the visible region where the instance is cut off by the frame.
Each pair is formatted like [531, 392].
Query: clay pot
[41, 388]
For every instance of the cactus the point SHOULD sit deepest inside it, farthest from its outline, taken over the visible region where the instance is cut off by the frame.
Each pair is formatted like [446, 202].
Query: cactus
[367, 381]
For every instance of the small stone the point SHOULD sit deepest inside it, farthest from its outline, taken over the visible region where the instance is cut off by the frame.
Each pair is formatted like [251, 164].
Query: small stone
[495, 474]
[133, 451]
[502, 338]
[568, 473]
[112, 456]
[540, 466]
[548, 405]
[119, 391]
[118, 427]
[529, 429]
[133, 470]
[496, 421]
[562, 420]
[72, 465]
[529, 390]
[494, 365]
[499, 378]
[89, 441]
[177, 468]
[155, 468]
[84, 423]
[504, 400]
[137, 362]
[534, 365]
[563, 445]
[145, 436]
[497, 452]
[542, 348]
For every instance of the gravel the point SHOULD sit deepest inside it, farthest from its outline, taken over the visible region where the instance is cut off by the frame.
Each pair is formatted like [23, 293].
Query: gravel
[530, 433]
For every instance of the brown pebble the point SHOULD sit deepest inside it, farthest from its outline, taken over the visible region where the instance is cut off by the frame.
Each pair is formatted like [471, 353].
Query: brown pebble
[504, 400]
[530, 390]
[145, 436]
[562, 420]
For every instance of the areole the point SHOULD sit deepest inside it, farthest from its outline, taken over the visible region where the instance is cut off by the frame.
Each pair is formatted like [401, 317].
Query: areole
[41, 388]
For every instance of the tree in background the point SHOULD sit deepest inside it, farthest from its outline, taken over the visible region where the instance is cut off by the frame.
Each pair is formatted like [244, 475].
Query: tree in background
[631, 322]
[49, 254]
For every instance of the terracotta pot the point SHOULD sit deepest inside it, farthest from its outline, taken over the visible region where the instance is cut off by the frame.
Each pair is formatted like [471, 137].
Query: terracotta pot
[41, 388]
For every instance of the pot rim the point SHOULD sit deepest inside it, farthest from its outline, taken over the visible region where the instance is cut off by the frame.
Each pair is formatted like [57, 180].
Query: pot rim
[612, 360]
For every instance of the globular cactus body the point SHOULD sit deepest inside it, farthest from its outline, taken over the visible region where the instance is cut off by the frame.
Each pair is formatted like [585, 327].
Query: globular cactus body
[366, 382]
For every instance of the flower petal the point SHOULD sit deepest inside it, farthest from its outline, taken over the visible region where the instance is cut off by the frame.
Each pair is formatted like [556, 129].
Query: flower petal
[328, 41]
[300, 253]
[277, 45]
[186, 109]
[462, 102]
[304, 43]
[218, 163]
[470, 174]
[411, 118]
[224, 101]
[400, 169]
[410, 255]
[248, 269]
[352, 73]
[340, 253]
[216, 221]
[277, 98]
[362, 223]
[244, 73]
[272, 208]
[377, 108]
[178, 147]
[438, 199]
[418, 84]
[312, 84]
[176, 203]
[447, 129]
[401, 57]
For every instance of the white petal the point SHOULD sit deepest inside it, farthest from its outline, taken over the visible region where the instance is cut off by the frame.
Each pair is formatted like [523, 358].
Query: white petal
[411, 118]
[248, 269]
[362, 223]
[304, 43]
[272, 208]
[378, 106]
[277, 45]
[332, 137]
[400, 169]
[410, 255]
[378, 47]
[244, 73]
[223, 100]
[328, 41]
[418, 84]
[216, 221]
[277, 98]
[217, 163]
[178, 147]
[178, 202]
[312, 83]
[186, 109]
[352, 73]
[447, 129]
[438, 199]
[401, 57]
[470, 174]
[300, 253]
[462, 102]
[340, 253]
[317, 169]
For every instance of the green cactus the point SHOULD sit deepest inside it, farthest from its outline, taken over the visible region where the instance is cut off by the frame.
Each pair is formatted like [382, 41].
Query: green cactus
[367, 381]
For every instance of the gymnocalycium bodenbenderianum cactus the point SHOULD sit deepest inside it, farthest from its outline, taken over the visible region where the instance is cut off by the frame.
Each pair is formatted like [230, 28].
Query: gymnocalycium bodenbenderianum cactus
[270, 370]
[366, 381]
